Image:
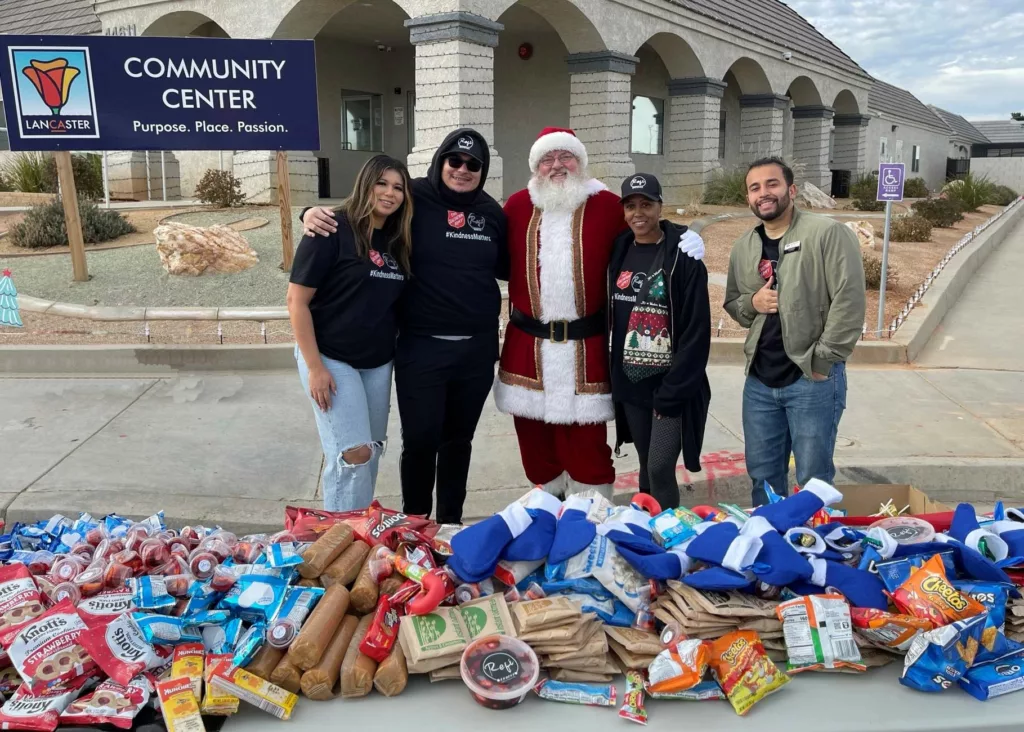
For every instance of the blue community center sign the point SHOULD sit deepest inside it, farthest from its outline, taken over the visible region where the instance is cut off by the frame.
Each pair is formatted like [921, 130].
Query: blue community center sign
[142, 93]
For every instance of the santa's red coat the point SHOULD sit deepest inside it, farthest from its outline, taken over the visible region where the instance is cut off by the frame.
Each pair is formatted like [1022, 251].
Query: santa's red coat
[559, 269]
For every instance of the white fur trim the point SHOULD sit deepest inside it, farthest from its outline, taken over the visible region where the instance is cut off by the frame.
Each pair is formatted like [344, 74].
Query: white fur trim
[577, 503]
[544, 501]
[828, 494]
[685, 562]
[626, 518]
[1002, 527]
[516, 518]
[557, 141]
[819, 543]
[889, 544]
[1014, 514]
[999, 548]
[820, 568]
[555, 487]
[944, 539]
[756, 526]
[702, 527]
[741, 553]
[604, 489]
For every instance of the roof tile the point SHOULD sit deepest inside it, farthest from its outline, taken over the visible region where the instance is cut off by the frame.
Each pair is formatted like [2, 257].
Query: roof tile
[1001, 130]
[53, 17]
[903, 105]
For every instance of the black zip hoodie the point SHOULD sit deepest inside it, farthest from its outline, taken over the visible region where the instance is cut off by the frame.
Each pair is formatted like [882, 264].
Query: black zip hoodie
[684, 391]
[459, 250]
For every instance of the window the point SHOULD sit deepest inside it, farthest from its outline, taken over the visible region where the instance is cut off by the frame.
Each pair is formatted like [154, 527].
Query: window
[361, 122]
[898, 156]
[721, 136]
[883, 149]
[5, 142]
[648, 122]
[410, 117]
[915, 162]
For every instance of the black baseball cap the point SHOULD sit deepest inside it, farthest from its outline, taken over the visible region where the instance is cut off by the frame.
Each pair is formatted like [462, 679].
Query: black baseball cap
[641, 184]
[467, 145]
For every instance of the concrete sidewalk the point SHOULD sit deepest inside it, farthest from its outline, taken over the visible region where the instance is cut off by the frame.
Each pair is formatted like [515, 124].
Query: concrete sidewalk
[236, 448]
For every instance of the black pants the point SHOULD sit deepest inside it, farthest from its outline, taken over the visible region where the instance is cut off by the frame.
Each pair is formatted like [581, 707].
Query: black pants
[442, 387]
[658, 443]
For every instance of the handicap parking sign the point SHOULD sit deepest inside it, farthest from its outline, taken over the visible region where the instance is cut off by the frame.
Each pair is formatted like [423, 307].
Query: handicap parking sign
[891, 177]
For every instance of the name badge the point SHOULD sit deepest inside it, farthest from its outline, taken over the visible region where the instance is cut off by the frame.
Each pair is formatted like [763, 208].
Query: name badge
[791, 247]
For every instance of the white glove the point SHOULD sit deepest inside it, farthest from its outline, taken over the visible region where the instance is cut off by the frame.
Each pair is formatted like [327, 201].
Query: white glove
[692, 245]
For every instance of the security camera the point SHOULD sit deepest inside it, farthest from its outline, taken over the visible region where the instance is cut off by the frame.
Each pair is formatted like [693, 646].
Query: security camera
[787, 55]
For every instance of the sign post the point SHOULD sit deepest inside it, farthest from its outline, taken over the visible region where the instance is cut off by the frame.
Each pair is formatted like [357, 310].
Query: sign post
[101, 93]
[891, 177]
[284, 200]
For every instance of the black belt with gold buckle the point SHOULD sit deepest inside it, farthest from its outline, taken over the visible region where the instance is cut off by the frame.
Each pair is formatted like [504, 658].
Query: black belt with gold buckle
[560, 331]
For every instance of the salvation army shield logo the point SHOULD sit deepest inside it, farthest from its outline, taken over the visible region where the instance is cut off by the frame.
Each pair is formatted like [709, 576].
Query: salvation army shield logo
[625, 278]
[456, 219]
[54, 94]
[376, 258]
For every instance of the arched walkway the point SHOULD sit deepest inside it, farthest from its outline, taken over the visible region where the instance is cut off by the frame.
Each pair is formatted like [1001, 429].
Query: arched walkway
[849, 138]
[754, 114]
[807, 134]
[185, 23]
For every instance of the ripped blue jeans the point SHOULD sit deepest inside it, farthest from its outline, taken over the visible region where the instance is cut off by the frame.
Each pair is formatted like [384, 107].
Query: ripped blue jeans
[358, 417]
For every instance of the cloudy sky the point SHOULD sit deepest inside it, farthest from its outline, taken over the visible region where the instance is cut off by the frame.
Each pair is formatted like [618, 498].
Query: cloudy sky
[967, 57]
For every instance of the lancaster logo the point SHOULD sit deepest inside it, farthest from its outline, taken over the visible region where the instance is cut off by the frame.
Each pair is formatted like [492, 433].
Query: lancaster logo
[54, 94]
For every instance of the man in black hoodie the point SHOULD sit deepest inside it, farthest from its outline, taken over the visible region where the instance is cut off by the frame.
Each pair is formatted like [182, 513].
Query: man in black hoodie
[448, 321]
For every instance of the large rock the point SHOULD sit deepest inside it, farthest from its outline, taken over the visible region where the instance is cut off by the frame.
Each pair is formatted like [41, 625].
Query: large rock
[196, 250]
[865, 233]
[812, 196]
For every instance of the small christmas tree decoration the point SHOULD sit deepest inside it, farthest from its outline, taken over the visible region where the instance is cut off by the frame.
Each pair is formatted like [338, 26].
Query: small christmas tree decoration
[9, 301]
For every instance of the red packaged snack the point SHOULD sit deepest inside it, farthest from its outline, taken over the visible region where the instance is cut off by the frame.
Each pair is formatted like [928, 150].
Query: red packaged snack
[202, 563]
[177, 584]
[130, 559]
[928, 594]
[307, 524]
[884, 629]
[90, 582]
[104, 607]
[743, 669]
[154, 552]
[40, 712]
[380, 637]
[111, 703]
[120, 649]
[19, 597]
[46, 650]
[385, 526]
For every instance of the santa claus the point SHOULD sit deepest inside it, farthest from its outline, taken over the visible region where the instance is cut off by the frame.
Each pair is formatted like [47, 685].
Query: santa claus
[553, 376]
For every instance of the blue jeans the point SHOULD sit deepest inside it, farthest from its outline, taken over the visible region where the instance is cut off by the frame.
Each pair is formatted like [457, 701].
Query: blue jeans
[802, 419]
[358, 417]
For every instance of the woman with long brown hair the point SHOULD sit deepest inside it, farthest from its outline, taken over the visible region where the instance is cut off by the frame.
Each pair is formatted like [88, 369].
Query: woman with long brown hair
[342, 301]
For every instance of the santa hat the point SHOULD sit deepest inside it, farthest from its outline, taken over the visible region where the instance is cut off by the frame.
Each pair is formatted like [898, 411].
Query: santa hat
[556, 138]
[861, 588]
[573, 532]
[797, 509]
[966, 529]
[477, 548]
[535, 543]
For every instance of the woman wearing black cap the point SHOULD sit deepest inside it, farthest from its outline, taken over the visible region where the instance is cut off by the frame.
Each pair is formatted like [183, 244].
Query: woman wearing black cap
[448, 321]
[660, 325]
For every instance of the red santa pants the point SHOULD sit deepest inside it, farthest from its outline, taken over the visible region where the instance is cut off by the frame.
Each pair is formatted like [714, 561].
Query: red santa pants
[581, 450]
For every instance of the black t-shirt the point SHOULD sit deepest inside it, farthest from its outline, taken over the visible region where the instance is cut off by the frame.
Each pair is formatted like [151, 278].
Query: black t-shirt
[771, 365]
[354, 307]
[626, 289]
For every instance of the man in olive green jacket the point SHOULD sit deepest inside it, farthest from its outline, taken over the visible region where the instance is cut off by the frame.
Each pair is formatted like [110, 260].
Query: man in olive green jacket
[796, 282]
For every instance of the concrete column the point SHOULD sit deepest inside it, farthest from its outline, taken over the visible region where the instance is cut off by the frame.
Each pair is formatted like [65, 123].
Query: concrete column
[600, 111]
[691, 154]
[454, 85]
[812, 127]
[257, 171]
[849, 150]
[761, 121]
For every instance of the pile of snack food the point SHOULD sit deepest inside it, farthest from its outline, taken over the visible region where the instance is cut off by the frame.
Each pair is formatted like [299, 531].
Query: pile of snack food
[111, 622]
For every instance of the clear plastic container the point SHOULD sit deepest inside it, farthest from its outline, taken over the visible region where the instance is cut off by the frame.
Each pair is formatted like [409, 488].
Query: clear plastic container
[499, 670]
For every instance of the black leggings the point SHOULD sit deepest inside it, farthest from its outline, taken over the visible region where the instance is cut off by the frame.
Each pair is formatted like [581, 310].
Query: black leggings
[658, 443]
[442, 386]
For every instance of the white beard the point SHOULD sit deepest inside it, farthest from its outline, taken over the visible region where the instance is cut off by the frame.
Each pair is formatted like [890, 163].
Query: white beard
[564, 196]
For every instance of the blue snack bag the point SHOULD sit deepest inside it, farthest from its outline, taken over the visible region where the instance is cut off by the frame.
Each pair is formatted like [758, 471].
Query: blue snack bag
[940, 657]
[283, 555]
[1000, 676]
[166, 630]
[208, 617]
[222, 639]
[897, 571]
[994, 596]
[150, 593]
[255, 597]
[249, 644]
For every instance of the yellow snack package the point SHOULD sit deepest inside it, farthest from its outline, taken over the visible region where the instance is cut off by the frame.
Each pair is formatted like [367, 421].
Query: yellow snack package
[743, 669]
[216, 702]
[179, 706]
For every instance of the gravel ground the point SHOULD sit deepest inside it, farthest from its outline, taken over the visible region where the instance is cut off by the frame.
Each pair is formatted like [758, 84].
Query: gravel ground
[133, 276]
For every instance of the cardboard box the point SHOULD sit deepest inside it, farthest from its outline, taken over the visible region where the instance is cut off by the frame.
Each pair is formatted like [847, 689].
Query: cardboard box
[865, 500]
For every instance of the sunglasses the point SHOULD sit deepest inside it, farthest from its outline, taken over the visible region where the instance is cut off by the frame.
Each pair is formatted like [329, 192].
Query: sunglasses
[472, 165]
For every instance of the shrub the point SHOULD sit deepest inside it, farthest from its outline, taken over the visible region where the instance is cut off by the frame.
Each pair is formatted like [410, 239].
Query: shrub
[727, 188]
[915, 188]
[5, 185]
[863, 192]
[220, 188]
[873, 273]
[869, 204]
[1001, 196]
[972, 191]
[37, 173]
[910, 228]
[44, 226]
[942, 212]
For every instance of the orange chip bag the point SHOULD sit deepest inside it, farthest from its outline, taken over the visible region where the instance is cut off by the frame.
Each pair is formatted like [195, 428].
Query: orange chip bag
[678, 668]
[887, 630]
[743, 669]
[928, 594]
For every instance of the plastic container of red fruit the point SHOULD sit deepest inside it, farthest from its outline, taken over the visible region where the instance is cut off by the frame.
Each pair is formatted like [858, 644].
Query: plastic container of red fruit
[499, 670]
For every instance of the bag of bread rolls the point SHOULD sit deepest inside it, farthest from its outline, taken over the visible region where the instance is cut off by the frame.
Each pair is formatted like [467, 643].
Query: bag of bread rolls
[391, 584]
[345, 569]
[312, 582]
[325, 550]
[363, 596]
[311, 642]
[287, 675]
[266, 661]
[320, 683]
[392, 675]
[357, 669]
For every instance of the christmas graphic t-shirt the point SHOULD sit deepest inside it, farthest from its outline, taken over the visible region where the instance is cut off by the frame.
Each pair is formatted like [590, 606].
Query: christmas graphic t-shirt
[354, 307]
[771, 365]
[625, 294]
